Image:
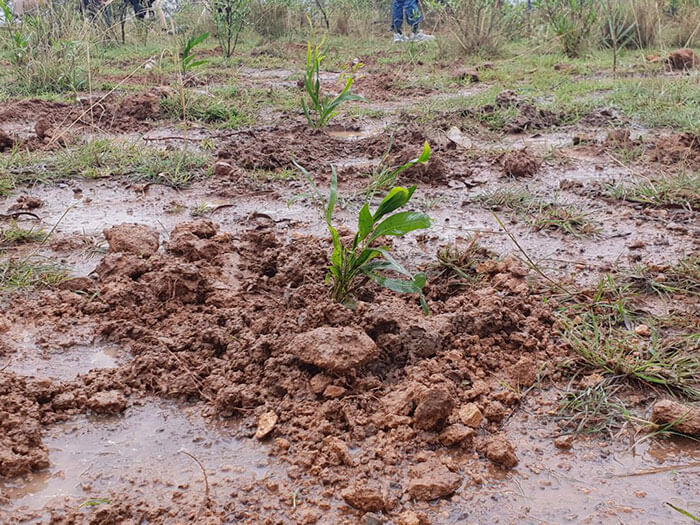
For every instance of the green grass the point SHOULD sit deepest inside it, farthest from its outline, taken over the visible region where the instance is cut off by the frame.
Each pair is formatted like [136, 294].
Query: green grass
[17, 274]
[681, 278]
[681, 191]
[539, 213]
[17, 235]
[101, 158]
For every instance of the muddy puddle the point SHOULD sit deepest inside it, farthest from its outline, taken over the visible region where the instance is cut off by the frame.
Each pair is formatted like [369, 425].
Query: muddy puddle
[142, 453]
[64, 364]
[595, 482]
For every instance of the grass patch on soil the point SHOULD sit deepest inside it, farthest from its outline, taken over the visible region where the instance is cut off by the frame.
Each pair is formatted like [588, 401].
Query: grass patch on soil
[682, 278]
[540, 213]
[17, 274]
[101, 158]
[17, 235]
[679, 191]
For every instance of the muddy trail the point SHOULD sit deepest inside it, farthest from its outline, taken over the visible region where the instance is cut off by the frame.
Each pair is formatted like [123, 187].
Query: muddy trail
[195, 370]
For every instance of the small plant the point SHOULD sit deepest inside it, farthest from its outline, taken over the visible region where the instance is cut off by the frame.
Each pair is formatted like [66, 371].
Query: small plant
[229, 16]
[18, 42]
[321, 107]
[571, 21]
[352, 265]
[619, 32]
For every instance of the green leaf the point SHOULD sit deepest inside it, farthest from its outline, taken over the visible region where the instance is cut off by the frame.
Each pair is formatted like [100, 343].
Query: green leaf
[365, 223]
[400, 224]
[396, 198]
[333, 197]
[425, 156]
[337, 255]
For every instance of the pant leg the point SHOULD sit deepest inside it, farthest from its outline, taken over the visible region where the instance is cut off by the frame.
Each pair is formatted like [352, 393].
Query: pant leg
[397, 14]
[139, 11]
[413, 14]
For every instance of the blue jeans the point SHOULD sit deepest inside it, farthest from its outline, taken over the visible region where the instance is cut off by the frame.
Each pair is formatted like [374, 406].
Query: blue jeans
[407, 8]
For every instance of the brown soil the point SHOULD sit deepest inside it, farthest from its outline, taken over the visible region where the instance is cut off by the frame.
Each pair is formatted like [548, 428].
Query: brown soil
[521, 163]
[682, 60]
[58, 122]
[244, 324]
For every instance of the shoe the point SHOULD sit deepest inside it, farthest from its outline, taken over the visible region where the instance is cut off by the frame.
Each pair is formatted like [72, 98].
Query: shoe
[420, 36]
[398, 37]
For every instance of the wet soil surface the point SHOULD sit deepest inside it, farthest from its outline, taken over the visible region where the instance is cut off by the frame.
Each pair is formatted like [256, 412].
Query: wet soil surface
[195, 370]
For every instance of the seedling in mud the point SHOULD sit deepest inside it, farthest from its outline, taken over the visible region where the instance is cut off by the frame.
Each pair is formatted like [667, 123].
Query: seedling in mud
[321, 107]
[352, 265]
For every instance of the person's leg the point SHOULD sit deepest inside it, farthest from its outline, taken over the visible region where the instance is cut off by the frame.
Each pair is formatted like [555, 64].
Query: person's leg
[397, 14]
[413, 14]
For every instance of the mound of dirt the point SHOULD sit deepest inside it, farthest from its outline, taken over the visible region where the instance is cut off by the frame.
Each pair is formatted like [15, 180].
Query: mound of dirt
[677, 148]
[138, 239]
[682, 60]
[141, 106]
[521, 163]
[275, 148]
[529, 115]
[620, 139]
[244, 324]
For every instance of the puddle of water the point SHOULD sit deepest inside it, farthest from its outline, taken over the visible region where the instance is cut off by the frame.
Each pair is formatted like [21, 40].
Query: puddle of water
[64, 364]
[353, 134]
[91, 457]
[595, 482]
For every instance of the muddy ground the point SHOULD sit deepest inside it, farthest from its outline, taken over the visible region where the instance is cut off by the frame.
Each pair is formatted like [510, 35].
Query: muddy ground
[193, 369]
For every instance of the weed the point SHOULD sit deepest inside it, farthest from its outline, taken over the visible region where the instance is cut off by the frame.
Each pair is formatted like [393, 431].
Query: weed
[321, 107]
[567, 219]
[229, 16]
[458, 264]
[200, 210]
[594, 409]
[571, 21]
[354, 264]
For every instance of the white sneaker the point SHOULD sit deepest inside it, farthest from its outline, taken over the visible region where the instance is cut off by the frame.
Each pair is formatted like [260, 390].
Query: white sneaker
[420, 36]
[398, 37]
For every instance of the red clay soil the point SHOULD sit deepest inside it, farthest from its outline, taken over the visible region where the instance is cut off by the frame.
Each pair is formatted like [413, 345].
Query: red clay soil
[245, 325]
[276, 148]
[59, 122]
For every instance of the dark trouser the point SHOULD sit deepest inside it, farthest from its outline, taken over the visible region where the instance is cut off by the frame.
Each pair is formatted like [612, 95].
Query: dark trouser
[408, 9]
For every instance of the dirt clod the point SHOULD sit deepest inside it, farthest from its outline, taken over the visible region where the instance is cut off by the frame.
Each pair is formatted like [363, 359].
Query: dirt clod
[564, 442]
[432, 480]
[137, 239]
[501, 451]
[367, 496]
[683, 418]
[107, 402]
[25, 202]
[521, 163]
[470, 415]
[334, 349]
[6, 142]
[682, 60]
[433, 409]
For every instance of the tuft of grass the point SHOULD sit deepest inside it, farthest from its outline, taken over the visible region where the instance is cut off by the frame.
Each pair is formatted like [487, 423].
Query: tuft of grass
[681, 278]
[567, 219]
[679, 191]
[662, 359]
[17, 235]
[17, 274]
[594, 409]
[539, 213]
[458, 264]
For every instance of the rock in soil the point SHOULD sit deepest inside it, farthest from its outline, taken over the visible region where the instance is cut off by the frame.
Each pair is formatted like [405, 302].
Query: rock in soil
[564, 442]
[138, 239]
[336, 349]
[433, 409]
[6, 141]
[682, 418]
[470, 415]
[432, 480]
[367, 496]
[682, 60]
[521, 163]
[457, 434]
[501, 451]
[266, 423]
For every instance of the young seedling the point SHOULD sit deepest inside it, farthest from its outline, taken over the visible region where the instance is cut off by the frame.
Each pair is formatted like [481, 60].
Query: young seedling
[353, 264]
[321, 107]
